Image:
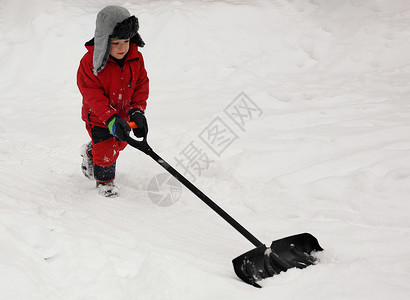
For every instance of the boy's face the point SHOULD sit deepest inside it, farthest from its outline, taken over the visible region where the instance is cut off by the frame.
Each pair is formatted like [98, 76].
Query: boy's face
[119, 48]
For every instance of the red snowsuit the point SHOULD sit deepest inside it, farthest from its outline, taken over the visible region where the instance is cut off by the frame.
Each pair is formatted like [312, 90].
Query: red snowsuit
[114, 90]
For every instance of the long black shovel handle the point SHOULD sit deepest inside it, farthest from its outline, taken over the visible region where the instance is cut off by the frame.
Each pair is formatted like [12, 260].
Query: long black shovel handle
[144, 147]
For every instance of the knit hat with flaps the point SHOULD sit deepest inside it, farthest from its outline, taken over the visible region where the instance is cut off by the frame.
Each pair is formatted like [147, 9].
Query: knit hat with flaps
[113, 22]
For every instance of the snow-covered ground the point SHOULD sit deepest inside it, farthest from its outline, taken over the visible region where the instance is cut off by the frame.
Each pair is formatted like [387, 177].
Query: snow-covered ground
[324, 147]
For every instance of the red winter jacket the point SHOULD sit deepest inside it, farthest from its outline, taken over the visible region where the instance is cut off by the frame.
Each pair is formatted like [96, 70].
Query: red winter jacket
[112, 91]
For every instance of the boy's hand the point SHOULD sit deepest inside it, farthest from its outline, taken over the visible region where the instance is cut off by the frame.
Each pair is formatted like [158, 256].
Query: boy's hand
[118, 127]
[138, 118]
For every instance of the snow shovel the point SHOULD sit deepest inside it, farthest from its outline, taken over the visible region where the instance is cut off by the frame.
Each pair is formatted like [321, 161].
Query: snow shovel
[262, 262]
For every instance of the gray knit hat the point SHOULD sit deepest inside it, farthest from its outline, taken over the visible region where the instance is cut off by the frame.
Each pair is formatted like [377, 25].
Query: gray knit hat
[113, 22]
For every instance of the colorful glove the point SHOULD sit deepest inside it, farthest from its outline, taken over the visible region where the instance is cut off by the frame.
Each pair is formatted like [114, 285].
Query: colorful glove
[118, 127]
[138, 118]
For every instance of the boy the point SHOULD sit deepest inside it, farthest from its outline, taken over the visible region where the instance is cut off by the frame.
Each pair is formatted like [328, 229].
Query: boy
[114, 84]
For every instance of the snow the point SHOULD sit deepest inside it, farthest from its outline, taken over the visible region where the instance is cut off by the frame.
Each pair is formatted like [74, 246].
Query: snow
[330, 154]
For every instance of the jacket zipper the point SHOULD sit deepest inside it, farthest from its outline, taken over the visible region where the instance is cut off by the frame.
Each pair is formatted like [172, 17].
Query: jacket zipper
[129, 64]
[130, 84]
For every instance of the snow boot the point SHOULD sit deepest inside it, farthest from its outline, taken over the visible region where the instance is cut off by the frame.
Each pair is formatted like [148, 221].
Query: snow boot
[87, 166]
[108, 189]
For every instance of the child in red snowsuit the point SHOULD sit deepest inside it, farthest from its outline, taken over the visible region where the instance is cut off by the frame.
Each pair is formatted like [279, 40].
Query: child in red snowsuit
[114, 84]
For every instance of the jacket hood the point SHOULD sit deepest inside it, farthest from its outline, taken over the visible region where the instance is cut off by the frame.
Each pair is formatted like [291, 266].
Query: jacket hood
[113, 22]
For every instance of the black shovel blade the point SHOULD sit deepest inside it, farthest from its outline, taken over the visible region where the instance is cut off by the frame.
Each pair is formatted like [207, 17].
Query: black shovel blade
[289, 252]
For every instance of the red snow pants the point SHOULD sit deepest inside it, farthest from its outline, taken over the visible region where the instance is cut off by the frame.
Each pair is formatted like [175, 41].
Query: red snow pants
[104, 153]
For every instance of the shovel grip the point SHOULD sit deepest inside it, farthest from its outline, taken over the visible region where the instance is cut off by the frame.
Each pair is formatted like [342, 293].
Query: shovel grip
[133, 125]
